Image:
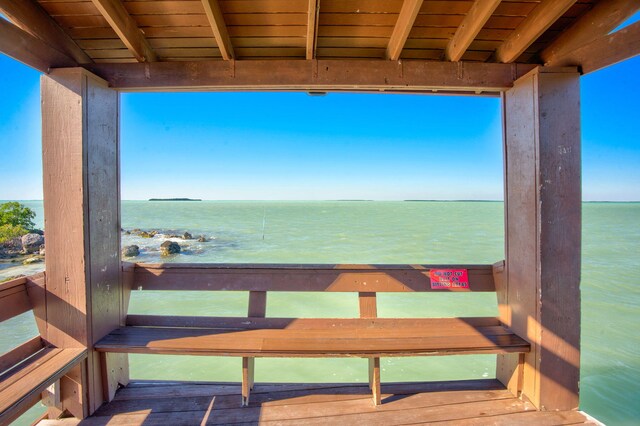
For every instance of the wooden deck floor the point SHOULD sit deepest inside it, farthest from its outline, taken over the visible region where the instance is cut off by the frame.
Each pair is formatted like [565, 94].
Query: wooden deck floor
[478, 402]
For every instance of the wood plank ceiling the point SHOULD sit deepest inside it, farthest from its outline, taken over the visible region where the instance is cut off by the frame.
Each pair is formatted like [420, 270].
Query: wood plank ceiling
[191, 30]
[181, 43]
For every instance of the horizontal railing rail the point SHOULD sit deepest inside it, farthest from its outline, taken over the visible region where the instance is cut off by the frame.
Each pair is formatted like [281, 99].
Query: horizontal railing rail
[269, 277]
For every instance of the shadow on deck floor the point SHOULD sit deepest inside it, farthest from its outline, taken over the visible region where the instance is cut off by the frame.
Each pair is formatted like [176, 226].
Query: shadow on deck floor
[476, 402]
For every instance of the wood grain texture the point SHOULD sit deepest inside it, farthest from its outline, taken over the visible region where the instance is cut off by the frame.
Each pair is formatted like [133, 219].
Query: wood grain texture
[450, 403]
[21, 390]
[219, 28]
[29, 50]
[312, 28]
[340, 278]
[402, 28]
[241, 323]
[363, 342]
[536, 23]
[593, 25]
[469, 28]
[604, 51]
[542, 134]
[13, 301]
[81, 202]
[127, 29]
[352, 75]
[30, 17]
[368, 305]
[20, 353]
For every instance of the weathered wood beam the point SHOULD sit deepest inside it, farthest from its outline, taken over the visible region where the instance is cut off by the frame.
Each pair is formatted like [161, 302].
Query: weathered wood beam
[407, 17]
[30, 17]
[30, 50]
[596, 23]
[536, 23]
[605, 51]
[478, 15]
[216, 20]
[326, 75]
[312, 27]
[126, 28]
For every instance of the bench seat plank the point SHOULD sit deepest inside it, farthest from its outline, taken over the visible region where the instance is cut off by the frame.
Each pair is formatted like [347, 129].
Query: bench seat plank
[22, 386]
[242, 323]
[436, 336]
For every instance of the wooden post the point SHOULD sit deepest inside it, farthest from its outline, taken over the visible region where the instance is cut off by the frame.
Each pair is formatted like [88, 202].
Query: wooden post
[83, 295]
[540, 295]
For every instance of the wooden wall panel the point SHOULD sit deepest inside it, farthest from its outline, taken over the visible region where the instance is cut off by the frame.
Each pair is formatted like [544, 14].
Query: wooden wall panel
[543, 223]
[82, 215]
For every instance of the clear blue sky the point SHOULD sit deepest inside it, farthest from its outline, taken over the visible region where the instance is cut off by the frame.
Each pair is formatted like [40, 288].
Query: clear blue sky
[339, 146]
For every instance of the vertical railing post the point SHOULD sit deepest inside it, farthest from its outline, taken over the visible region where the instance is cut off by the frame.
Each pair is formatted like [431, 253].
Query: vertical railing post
[80, 142]
[539, 293]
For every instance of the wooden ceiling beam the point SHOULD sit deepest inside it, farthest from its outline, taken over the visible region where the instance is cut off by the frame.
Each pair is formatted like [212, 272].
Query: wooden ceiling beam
[312, 28]
[478, 15]
[536, 23]
[596, 23]
[30, 17]
[327, 75]
[605, 51]
[216, 20]
[126, 29]
[24, 47]
[406, 18]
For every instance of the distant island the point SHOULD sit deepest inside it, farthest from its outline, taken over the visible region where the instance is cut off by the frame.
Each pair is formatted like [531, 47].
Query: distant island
[175, 199]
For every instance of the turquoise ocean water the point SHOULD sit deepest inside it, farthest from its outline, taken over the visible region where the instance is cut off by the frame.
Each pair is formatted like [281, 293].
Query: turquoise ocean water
[384, 232]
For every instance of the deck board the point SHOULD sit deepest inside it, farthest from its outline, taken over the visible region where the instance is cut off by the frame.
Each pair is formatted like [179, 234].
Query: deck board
[472, 402]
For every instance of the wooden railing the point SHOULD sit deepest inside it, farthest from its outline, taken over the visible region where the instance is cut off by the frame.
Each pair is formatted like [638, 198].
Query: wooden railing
[31, 371]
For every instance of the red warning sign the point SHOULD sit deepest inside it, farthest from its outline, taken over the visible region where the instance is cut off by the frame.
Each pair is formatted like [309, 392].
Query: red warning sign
[445, 279]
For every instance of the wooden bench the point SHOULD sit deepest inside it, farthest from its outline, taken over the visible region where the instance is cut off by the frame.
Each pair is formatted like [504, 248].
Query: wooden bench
[33, 368]
[257, 336]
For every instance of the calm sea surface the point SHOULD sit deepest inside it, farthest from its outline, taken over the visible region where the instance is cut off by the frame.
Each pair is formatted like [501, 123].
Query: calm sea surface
[384, 232]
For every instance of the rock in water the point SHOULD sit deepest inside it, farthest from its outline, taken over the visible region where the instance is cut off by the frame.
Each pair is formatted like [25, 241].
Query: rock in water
[31, 260]
[31, 242]
[169, 247]
[187, 236]
[131, 251]
[202, 239]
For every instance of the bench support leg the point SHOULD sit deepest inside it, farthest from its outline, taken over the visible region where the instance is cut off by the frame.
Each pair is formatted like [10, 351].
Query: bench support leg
[247, 379]
[374, 379]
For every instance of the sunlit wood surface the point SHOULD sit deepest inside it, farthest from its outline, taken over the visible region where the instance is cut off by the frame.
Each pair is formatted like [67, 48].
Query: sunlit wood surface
[476, 402]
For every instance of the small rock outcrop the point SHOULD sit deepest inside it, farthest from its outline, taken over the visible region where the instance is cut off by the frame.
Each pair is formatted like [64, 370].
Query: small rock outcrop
[187, 236]
[169, 247]
[202, 239]
[131, 251]
[31, 260]
[31, 242]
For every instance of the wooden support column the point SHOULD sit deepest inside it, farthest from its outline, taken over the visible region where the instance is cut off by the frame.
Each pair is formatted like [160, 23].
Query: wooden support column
[83, 297]
[257, 309]
[540, 294]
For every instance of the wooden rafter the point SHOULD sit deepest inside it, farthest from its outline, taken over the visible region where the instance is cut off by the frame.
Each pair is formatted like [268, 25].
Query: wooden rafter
[536, 23]
[22, 46]
[216, 20]
[596, 23]
[312, 27]
[478, 15]
[30, 17]
[126, 28]
[605, 51]
[406, 18]
[328, 75]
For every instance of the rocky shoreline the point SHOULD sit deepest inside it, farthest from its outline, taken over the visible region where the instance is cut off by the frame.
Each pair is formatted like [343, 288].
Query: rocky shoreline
[27, 249]
[30, 248]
